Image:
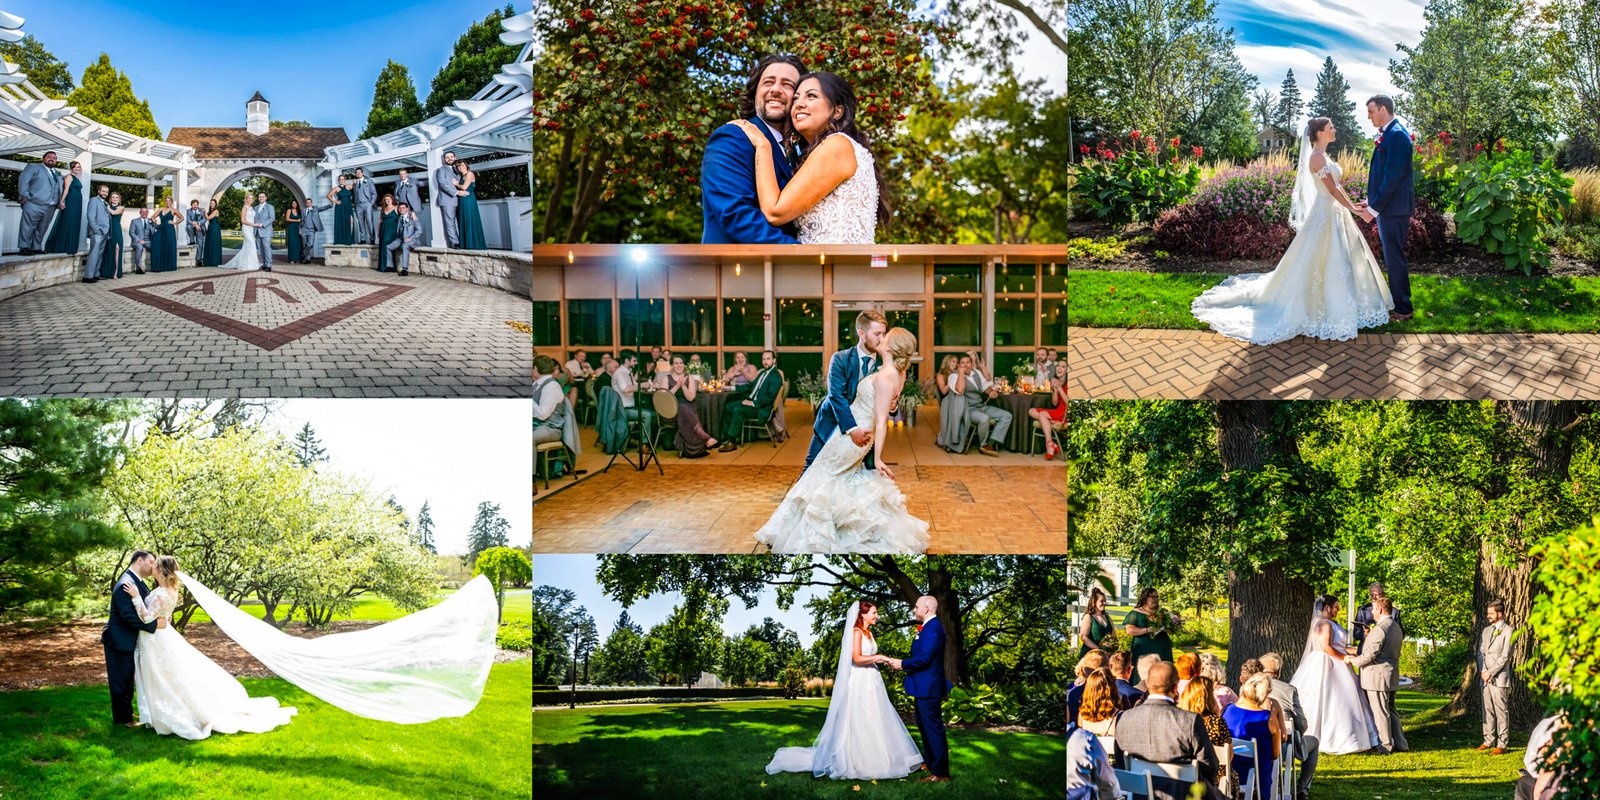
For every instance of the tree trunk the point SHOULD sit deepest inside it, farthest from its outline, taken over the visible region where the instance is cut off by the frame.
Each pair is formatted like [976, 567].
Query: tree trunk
[557, 186]
[1268, 611]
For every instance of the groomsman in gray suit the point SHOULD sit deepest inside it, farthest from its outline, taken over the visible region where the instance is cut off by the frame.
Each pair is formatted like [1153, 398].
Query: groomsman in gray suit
[310, 226]
[405, 192]
[197, 230]
[1494, 668]
[99, 230]
[993, 423]
[139, 232]
[410, 233]
[366, 200]
[265, 216]
[444, 193]
[1380, 674]
[40, 191]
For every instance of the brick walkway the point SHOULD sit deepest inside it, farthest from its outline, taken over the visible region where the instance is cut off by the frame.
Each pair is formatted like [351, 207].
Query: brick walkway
[1129, 364]
[300, 331]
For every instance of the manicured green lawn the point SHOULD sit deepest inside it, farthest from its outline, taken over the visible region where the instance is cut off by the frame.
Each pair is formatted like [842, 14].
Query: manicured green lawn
[60, 743]
[717, 750]
[1441, 763]
[1102, 299]
[519, 607]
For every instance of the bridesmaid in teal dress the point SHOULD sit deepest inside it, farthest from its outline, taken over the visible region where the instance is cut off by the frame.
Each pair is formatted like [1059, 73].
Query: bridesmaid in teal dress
[164, 246]
[344, 221]
[291, 227]
[1096, 628]
[213, 255]
[1147, 624]
[111, 262]
[388, 231]
[467, 216]
[67, 236]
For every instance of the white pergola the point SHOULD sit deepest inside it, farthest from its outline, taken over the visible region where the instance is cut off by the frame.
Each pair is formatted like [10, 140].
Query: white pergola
[33, 124]
[498, 119]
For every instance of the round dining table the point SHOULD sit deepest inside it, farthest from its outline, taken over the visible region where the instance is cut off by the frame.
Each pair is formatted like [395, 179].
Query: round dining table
[710, 405]
[1022, 426]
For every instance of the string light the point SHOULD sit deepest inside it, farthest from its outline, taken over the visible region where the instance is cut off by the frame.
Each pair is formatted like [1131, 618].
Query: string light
[737, 270]
[569, 256]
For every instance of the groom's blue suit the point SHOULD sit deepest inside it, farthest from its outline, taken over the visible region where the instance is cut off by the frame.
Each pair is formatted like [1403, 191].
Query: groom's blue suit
[728, 188]
[1391, 194]
[925, 682]
[844, 373]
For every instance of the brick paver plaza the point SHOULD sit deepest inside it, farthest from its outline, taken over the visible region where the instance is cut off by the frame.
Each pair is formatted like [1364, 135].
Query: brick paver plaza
[298, 331]
[1128, 364]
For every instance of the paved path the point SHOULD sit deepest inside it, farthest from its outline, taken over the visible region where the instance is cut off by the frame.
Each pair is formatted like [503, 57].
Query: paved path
[300, 331]
[1128, 364]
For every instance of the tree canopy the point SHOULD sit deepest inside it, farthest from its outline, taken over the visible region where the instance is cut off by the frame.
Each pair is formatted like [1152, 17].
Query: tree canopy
[106, 96]
[394, 102]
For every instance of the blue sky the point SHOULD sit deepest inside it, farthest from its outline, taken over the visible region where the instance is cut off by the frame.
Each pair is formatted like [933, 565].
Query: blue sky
[197, 63]
[1273, 36]
[577, 573]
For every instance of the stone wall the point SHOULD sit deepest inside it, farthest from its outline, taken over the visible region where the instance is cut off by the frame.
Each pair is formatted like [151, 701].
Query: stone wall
[350, 255]
[500, 269]
[20, 274]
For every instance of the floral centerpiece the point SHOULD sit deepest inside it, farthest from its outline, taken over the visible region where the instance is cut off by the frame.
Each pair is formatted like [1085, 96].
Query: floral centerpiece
[813, 387]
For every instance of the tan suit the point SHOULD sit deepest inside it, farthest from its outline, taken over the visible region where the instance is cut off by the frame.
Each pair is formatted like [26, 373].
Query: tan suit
[1494, 668]
[1380, 667]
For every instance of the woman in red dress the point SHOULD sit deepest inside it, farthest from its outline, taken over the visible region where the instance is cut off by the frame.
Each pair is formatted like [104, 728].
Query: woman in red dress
[1051, 420]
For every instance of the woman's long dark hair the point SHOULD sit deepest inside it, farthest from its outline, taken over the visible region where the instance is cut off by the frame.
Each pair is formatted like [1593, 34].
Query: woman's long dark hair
[841, 96]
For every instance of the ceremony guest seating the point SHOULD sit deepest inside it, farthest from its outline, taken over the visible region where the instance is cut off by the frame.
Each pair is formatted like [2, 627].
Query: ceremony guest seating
[1249, 787]
[1135, 785]
[666, 406]
[592, 407]
[1188, 773]
[547, 454]
[764, 426]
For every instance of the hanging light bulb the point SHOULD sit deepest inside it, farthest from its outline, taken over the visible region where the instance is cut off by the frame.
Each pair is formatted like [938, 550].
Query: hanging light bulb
[569, 256]
[737, 270]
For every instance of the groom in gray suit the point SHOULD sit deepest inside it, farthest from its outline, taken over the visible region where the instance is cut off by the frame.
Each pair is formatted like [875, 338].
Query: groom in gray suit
[40, 192]
[310, 226]
[366, 200]
[265, 216]
[410, 233]
[443, 192]
[1494, 668]
[405, 192]
[99, 230]
[1380, 666]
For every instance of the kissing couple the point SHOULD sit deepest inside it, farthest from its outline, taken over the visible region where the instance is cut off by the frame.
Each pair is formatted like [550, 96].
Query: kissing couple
[795, 169]
[862, 737]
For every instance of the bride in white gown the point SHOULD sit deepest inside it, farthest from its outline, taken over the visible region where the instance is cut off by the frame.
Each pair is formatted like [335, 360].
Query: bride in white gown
[862, 737]
[181, 691]
[247, 257]
[1327, 285]
[1336, 711]
[836, 194]
[838, 506]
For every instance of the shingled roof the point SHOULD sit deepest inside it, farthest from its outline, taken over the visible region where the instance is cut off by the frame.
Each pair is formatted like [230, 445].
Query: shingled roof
[240, 143]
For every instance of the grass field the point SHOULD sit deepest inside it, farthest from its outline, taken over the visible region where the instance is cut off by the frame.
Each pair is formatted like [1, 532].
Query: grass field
[1103, 299]
[60, 743]
[716, 750]
[519, 608]
[1441, 763]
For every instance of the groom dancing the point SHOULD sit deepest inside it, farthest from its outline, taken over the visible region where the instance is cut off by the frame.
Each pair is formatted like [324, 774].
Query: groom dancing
[926, 684]
[1380, 666]
[845, 371]
[732, 213]
[1391, 199]
[121, 636]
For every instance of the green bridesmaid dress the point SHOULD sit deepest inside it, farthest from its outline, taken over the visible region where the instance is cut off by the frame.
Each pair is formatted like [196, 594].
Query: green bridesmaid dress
[111, 261]
[213, 254]
[1098, 631]
[1158, 643]
[291, 230]
[470, 221]
[388, 231]
[344, 221]
[67, 236]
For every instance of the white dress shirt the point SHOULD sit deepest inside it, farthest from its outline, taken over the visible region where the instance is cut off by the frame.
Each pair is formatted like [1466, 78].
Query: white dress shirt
[547, 398]
[623, 382]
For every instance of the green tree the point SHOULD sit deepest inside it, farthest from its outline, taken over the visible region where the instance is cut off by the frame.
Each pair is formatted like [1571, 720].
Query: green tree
[1220, 120]
[424, 529]
[477, 56]
[308, 448]
[1567, 573]
[1001, 177]
[488, 530]
[1574, 51]
[622, 660]
[1264, 105]
[106, 96]
[47, 73]
[288, 123]
[55, 456]
[554, 616]
[688, 642]
[1286, 116]
[1482, 73]
[745, 660]
[394, 102]
[505, 566]
[1331, 99]
[585, 638]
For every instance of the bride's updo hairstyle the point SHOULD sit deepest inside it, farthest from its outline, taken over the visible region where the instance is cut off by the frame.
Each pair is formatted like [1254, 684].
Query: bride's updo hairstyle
[1325, 602]
[167, 567]
[902, 346]
[1315, 126]
[861, 613]
[842, 97]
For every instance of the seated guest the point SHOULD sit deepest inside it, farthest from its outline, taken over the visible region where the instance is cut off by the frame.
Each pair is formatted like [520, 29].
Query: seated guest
[741, 373]
[1211, 667]
[1534, 772]
[578, 369]
[692, 440]
[1043, 370]
[763, 393]
[1144, 664]
[698, 367]
[604, 375]
[993, 423]
[1200, 697]
[1188, 666]
[1091, 662]
[941, 379]
[952, 408]
[1089, 772]
[1287, 698]
[1100, 703]
[1121, 663]
[1054, 419]
[1255, 717]
[1157, 730]
[628, 388]
[552, 414]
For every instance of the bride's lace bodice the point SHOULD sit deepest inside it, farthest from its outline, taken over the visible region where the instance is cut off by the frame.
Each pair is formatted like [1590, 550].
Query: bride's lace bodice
[869, 647]
[863, 407]
[849, 214]
[159, 604]
[1332, 168]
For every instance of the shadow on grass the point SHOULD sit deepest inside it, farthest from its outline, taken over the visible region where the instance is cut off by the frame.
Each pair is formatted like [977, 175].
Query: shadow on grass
[718, 750]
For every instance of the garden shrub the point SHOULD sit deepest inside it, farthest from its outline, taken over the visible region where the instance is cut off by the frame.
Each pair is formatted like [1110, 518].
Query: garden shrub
[644, 693]
[792, 681]
[1576, 241]
[1110, 248]
[1042, 707]
[514, 636]
[1508, 204]
[1585, 206]
[980, 703]
[1444, 667]
[1569, 650]
[1134, 181]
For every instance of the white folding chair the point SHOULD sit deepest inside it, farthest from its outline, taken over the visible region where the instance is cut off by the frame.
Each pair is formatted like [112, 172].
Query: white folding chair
[1249, 789]
[1188, 773]
[1288, 772]
[1135, 784]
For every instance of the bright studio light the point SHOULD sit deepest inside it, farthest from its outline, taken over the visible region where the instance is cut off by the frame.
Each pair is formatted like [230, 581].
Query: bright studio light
[638, 255]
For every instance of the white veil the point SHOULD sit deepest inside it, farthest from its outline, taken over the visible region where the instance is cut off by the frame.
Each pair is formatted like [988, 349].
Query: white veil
[819, 755]
[1305, 188]
[418, 668]
[1311, 632]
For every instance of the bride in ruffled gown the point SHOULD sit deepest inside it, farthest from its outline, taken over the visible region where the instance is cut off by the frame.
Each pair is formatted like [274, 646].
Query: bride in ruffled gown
[862, 737]
[1336, 711]
[1328, 284]
[837, 506]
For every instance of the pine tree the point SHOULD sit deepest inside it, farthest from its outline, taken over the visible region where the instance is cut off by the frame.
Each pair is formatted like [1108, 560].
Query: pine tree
[394, 102]
[47, 73]
[488, 530]
[106, 96]
[424, 529]
[478, 56]
[1287, 116]
[308, 448]
[1332, 100]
